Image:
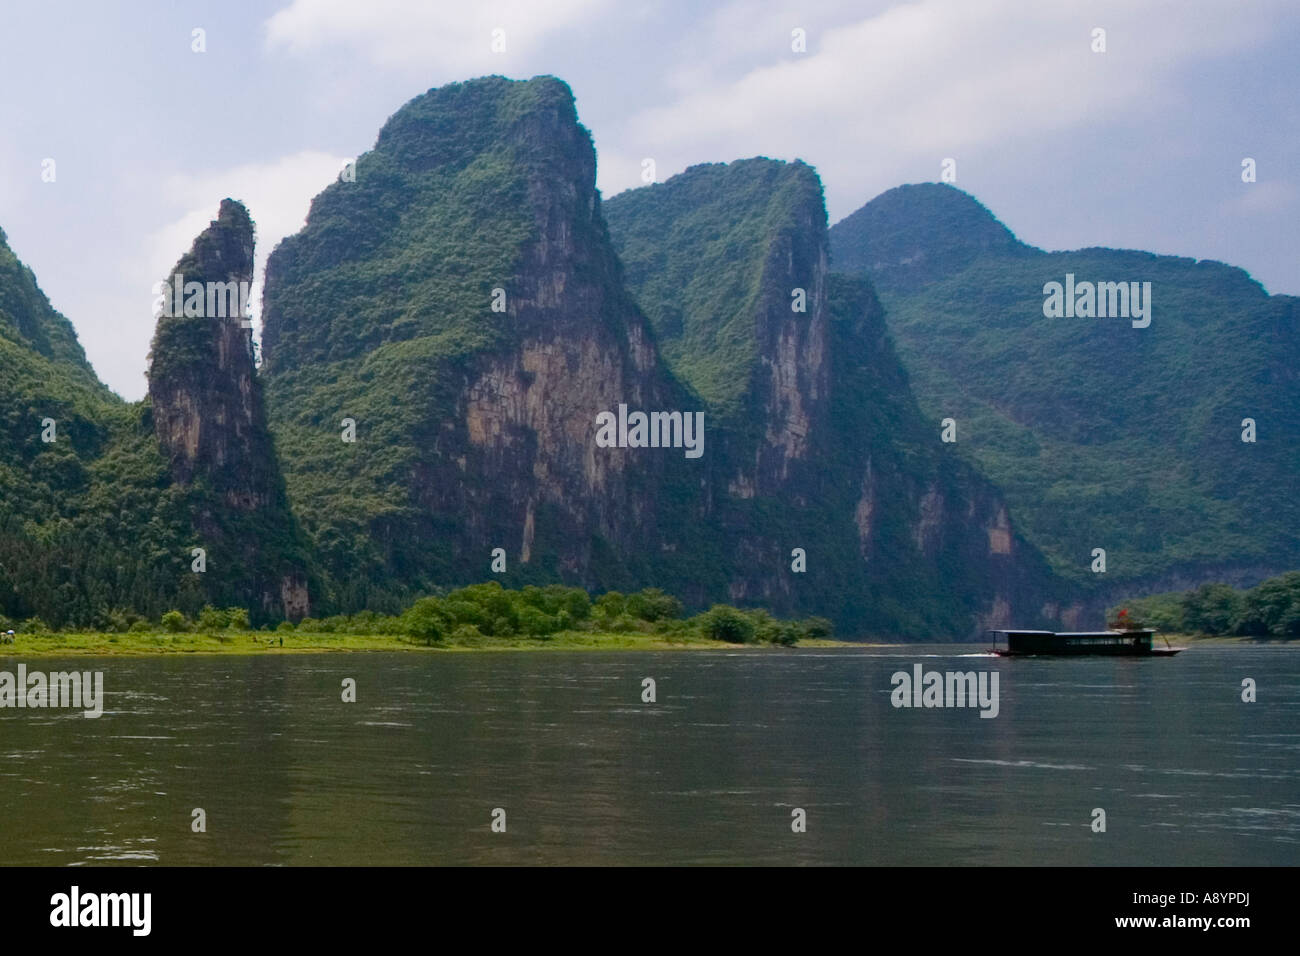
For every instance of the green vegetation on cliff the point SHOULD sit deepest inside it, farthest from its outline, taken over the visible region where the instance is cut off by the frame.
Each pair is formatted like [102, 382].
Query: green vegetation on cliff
[381, 311]
[1100, 434]
[696, 252]
[84, 516]
[823, 487]
[820, 441]
[907, 236]
[205, 403]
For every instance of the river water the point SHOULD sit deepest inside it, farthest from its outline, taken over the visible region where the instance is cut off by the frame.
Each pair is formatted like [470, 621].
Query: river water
[584, 772]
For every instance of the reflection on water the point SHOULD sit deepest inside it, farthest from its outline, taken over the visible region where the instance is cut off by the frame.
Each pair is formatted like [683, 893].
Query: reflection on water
[289, 774]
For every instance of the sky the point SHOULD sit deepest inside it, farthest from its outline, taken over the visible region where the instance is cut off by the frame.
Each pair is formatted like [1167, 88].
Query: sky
[1137, 147]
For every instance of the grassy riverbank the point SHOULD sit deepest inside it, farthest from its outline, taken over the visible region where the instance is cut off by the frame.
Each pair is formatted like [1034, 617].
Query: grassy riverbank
[1190, 640]
[479, 617]
[152, 643]
[140, 644]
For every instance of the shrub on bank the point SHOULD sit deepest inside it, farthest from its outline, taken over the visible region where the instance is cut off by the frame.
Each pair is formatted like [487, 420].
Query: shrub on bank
[723, 623]
[1270, 609]
[211, 619]
[482, 612]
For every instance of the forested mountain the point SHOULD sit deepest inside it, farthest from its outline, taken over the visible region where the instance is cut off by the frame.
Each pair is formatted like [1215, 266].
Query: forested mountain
[460, 305]
[1117, 432]
[449, 336]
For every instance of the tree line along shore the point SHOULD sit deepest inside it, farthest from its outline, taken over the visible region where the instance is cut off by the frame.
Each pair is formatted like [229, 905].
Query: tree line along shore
[481, 616]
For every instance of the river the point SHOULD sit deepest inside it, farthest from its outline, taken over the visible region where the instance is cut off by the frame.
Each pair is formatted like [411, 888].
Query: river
[560, 748]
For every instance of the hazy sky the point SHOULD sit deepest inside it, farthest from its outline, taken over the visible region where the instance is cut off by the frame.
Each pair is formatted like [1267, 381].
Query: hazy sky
[1137, 147]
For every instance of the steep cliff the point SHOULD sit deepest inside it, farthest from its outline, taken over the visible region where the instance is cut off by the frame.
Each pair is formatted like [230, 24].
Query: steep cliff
[730, 264]
[821, 445]
[206, 406]
[459, 307]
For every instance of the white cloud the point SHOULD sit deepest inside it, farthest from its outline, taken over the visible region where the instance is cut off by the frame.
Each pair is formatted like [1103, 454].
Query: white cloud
[443, 38]
[882, 100]
[1264, 197]
[736, 37]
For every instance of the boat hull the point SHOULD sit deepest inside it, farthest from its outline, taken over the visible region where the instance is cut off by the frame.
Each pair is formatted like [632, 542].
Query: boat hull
[1154, 652]
[1082, 644]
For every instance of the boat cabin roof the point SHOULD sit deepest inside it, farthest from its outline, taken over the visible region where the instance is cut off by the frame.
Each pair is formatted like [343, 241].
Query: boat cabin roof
[1015, 630]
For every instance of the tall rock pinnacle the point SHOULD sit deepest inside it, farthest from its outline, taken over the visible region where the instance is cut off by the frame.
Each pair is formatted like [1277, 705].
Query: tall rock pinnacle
[208, 415]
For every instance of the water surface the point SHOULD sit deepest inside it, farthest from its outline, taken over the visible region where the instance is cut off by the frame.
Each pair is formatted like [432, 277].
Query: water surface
[587, 773]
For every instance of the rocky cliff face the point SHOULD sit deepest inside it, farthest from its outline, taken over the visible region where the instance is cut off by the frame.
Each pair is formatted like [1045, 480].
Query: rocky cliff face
[526, 413]
[582, 348]
[529, 336]
[443, 336]
[791, 389]
[207, 412]
[842, 464]
[206, 405]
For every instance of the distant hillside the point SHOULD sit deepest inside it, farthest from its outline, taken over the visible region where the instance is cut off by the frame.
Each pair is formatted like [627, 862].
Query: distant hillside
[1101, 435]
[27, 320]
[907, 236]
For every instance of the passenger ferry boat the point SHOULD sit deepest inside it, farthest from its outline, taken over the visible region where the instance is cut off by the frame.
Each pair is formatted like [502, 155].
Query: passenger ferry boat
[1137, 642]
